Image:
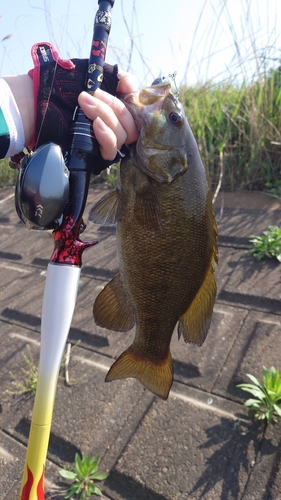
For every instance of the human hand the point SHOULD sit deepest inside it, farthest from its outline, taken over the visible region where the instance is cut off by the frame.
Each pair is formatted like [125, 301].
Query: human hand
[113, 124]
[57, 84]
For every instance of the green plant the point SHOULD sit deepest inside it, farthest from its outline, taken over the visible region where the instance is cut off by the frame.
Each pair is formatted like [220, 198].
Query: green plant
[7, 174]
[29, 385]
[274, 188]
[268, 244]
[83, 476]
[239, 117]
[267, 396]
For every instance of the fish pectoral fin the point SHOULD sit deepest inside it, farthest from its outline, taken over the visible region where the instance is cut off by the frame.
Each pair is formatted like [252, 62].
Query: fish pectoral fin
[156, 377]
[111, 308]
[194, 323]
[147, 207]
[105, 210]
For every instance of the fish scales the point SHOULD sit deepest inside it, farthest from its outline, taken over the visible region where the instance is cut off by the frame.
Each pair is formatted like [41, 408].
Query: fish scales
[161, 289]
[166, 240]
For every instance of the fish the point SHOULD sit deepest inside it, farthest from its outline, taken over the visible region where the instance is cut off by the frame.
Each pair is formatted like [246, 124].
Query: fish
[166, 241]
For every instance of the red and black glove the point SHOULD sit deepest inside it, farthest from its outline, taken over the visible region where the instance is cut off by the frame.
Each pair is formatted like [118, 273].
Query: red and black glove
[57, 84]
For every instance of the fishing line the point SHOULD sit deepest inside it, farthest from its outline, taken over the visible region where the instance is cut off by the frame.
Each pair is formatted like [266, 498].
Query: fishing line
[53, 79]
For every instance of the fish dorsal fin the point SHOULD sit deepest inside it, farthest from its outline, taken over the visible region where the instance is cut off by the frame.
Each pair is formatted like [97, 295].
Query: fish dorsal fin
[105, 210]
[111, 308]
[194, 323]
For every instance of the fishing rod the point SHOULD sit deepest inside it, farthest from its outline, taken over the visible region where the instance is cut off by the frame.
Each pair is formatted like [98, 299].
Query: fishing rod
[64, 268]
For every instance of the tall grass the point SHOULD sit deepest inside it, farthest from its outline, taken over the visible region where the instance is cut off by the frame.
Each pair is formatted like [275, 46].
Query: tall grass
[234, 125]
[238, 124]
[236, 116]
[238, 131]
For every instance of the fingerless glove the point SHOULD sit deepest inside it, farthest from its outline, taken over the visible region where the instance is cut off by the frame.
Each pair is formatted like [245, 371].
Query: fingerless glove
[57, 84]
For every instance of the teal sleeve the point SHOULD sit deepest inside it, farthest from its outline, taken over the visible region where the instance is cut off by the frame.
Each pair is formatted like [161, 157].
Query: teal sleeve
[11, 127]
[4, 135]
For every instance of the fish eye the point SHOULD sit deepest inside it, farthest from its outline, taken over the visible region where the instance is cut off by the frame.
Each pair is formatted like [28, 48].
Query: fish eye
[175, 118]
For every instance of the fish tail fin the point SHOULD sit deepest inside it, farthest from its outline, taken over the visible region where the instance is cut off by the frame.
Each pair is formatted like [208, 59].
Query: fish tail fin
[156, 377]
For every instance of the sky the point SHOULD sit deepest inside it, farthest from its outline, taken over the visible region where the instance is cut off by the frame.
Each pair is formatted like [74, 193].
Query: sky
[200, 40]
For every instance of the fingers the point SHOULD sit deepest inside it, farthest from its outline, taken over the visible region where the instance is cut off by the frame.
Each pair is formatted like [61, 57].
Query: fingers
[106, 139]
[127, 83]
[112, 122]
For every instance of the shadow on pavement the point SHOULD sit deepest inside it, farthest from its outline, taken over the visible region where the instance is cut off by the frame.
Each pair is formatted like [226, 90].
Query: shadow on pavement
[238, 447]
[129, 489]
[75, 334]
[59, 448]
[270, 490]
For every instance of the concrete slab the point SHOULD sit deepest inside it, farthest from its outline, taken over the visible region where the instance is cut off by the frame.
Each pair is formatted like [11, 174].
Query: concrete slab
[257, 344]
[184, 449]
[228, 259]
[21, 295]
[256, 284]
[90, 414]
[242, 214]
[12, 455]
[93, 430]
[201, 366]
[265, 478]
[198, 444]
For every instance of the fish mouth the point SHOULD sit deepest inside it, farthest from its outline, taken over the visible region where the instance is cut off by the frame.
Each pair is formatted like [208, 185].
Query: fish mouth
[151, 95]
[143, 100]
[155, 151]
[161, 149]
[146, 96]
[158, 149]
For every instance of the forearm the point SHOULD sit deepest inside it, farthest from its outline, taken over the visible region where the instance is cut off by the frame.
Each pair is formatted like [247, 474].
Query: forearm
[22, 89]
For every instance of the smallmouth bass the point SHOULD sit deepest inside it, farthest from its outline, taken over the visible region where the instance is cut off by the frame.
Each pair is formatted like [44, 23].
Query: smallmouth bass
[166, 241]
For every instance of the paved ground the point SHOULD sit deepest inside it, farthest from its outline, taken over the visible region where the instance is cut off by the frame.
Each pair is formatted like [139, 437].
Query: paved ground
[201, 442]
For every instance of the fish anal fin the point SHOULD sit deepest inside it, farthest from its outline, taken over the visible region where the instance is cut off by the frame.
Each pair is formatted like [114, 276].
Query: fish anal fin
[195, 322]
[111, 308]
[156, 377]
[104, 212]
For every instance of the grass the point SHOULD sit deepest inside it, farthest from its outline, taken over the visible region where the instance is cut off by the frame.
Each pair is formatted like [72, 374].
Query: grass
[241, 123]
[236, 116]
[267, 245]
[237, 126]
[28, 383]
[83, 476]
[266, 400]
[8, 175]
